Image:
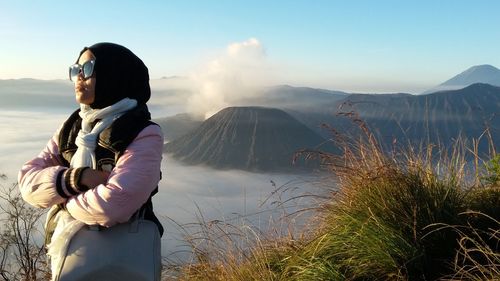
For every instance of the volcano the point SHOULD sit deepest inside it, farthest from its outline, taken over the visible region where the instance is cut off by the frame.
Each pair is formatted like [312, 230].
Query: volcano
[485, 74]
[247, 138]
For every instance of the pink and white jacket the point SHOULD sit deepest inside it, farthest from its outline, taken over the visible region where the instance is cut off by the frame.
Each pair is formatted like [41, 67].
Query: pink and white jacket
[135, 176]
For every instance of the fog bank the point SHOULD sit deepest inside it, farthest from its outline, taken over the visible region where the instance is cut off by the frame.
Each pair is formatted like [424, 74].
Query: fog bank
[186, 193]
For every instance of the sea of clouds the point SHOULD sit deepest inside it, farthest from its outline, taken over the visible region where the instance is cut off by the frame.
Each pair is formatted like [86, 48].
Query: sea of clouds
[186, 193]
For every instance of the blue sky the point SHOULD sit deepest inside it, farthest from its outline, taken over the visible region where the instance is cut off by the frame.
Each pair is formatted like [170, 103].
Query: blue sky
[376, 46]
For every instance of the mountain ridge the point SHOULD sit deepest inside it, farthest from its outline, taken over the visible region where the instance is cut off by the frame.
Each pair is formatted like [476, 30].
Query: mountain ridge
[437, 118]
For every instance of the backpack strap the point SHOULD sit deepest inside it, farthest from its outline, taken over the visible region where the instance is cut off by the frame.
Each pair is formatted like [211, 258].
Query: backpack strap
[67, 137]
[119, 136]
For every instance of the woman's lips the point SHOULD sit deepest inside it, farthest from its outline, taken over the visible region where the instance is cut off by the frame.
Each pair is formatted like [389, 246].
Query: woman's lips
[80, 88]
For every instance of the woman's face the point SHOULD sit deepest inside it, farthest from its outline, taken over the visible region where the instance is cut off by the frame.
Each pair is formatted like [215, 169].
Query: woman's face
[85, 88]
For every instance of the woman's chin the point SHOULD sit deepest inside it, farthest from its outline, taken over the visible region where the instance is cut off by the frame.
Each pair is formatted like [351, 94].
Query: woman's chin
[82, 98]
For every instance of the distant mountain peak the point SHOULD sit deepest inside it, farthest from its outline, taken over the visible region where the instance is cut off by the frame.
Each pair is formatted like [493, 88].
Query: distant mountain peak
[483, 67]
[484, 73]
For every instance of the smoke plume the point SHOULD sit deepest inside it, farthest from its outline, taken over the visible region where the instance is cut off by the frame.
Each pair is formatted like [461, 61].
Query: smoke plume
[237, 73]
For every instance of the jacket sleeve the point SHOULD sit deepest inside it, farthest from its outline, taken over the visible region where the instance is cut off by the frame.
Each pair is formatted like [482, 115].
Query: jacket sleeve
[135, 176]
[38, 177]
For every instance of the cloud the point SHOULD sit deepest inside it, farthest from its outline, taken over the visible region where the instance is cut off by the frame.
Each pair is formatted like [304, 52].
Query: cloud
[250, 49]
[189, 195]
[24, 135]
[238, 73]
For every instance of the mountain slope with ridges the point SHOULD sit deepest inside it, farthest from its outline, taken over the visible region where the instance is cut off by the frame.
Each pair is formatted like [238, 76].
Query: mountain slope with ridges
[435, 118]
[247, 138]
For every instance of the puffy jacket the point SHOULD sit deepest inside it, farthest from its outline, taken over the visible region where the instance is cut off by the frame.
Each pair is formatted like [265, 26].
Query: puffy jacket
[135, 175]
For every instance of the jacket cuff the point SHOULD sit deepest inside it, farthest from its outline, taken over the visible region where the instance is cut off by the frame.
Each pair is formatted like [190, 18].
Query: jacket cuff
[60, 184]
[69, 182]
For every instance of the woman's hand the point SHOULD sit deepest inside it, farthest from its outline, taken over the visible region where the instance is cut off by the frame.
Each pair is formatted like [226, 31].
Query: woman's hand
[92, 178]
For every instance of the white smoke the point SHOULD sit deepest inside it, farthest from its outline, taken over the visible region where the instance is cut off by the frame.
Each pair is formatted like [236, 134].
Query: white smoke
[238, 73]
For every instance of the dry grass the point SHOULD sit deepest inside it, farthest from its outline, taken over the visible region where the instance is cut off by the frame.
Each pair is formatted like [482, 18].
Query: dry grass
[409, 213]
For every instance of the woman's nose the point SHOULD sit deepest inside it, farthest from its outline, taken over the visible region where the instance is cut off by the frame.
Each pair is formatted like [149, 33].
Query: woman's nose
[79, 76]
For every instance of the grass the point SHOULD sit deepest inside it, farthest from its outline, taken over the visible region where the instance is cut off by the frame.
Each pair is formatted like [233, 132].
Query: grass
[402, 215]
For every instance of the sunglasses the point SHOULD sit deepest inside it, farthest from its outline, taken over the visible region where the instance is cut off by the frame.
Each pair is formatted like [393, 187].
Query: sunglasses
[86, 69]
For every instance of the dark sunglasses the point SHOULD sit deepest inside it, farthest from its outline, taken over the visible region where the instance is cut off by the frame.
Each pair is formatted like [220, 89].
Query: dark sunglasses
[86, 69]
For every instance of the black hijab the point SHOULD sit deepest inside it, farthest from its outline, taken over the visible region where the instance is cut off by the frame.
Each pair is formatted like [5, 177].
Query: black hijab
[119, 74]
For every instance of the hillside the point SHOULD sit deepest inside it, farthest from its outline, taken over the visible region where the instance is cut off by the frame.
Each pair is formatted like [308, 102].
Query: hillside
[435, 118]
[176, 126]
[289, 97]
[247, 138]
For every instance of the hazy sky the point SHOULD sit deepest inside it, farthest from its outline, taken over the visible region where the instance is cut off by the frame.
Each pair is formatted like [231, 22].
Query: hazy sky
[346, 45]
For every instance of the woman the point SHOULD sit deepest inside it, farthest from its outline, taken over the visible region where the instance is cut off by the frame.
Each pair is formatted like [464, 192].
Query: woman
[103, 165]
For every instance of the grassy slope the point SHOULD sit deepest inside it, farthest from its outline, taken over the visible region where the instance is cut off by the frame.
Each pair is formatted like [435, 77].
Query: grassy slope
[405, 216]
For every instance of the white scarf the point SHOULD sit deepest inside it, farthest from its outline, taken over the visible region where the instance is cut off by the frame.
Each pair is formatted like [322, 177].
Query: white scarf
[87, 137]
[66, 225]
